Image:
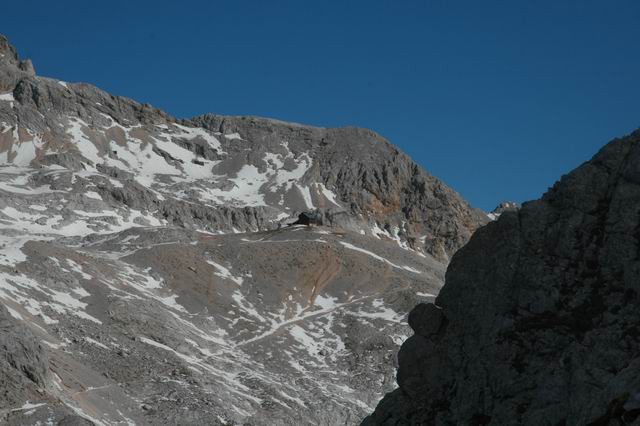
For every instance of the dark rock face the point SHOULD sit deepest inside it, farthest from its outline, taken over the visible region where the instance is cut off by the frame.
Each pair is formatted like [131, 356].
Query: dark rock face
[23, 361]
[538, 322]
[313, 217]
[75, 421]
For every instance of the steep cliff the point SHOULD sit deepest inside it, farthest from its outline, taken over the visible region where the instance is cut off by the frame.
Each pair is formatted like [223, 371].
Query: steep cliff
[538, 321]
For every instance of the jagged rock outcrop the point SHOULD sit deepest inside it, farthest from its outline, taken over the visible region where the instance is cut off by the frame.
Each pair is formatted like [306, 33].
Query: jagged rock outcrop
[12, 69]
[538, 322]
[501, 208]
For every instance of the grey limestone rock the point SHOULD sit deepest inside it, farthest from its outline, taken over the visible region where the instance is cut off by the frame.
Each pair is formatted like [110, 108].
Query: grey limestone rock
[157, 261]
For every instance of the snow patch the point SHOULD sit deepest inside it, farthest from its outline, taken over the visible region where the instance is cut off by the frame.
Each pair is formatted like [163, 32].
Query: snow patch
[225, 272]
[233, 136]
[380, 258]
[93, 194]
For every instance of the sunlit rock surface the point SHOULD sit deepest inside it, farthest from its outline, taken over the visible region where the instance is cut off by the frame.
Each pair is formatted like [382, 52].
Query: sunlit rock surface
[149, 273]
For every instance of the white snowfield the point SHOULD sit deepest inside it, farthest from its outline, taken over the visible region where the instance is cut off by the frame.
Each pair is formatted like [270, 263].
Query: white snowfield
[380, 258]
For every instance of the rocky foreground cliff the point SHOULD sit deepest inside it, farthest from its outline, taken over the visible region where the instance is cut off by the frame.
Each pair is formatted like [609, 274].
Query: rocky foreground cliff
[152, 271]
[539, 321]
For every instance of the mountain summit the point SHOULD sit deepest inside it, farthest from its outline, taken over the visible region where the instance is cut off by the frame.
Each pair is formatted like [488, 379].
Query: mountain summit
[149, 273]
[258, 170]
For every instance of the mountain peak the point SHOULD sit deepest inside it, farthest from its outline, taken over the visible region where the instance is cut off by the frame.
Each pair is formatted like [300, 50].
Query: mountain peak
[181, 232]
[503, 207]
[6, 49]
[12, 69]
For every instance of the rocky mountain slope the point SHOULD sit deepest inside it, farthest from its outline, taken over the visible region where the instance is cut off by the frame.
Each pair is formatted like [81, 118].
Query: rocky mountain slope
[538, 321]
[150, 272]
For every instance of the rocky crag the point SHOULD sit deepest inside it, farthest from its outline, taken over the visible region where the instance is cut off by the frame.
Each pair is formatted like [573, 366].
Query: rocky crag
[150, 274]
[537, 323]
[503, 207]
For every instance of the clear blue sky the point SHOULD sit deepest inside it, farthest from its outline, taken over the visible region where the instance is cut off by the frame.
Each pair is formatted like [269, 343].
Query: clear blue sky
[497, 98]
